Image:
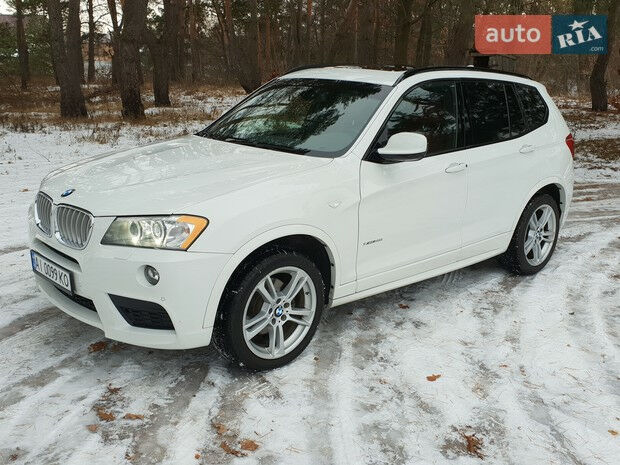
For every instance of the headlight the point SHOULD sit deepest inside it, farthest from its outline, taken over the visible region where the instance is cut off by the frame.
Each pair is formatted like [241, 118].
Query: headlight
[156, 232]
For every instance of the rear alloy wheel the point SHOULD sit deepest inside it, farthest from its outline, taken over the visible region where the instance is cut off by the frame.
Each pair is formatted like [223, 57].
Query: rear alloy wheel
[271, 311]
[540, 235]
[535, 237]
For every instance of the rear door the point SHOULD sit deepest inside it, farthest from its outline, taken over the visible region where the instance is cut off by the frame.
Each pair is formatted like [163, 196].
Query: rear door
[504, 158]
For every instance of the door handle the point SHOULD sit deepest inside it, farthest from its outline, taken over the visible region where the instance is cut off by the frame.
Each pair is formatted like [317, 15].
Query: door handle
[456, 167]
[527, 148]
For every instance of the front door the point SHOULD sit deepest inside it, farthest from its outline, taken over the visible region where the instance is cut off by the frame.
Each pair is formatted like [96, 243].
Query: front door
[411, 212]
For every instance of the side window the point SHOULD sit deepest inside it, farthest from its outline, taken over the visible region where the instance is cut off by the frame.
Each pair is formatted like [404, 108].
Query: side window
[487, 111]
[430, 109]
[518, 126]
[534, 106]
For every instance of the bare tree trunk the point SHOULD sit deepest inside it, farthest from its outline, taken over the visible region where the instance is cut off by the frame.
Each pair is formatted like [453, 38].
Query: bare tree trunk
[460, 38]
[22, 46]
[296, 34]
[308, 39]
[161, 81]
[223, 34]
[134, 16]
[582, 7]
[244, 60]
[71, 98]
[342, 31]
[193, 10]
[598, 85]
[180, 40]
[375, 34]
[172, 12]
[74, 39]
[91, 42]
[253, 77]
[423, 47]
[365, 18]
[116, 48]
[323, 7]
[229, 33]
[268, 62]
[403, 31]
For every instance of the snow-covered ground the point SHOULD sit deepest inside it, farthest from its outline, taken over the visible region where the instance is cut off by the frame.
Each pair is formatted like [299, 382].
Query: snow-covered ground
[529, 366]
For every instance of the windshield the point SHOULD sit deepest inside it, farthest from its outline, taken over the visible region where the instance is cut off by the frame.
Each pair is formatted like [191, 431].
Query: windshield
[316, 117]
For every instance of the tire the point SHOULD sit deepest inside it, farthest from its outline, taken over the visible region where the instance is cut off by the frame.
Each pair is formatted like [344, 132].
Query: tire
[522, 259]
[282, 338]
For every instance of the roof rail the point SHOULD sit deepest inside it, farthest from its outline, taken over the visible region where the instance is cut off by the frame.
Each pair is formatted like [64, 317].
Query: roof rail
[350, 65]
[413, 71]
[409, 71]
[301, 68]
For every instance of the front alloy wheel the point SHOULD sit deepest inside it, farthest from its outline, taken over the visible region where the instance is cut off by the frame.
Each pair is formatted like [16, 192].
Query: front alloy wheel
[270, 311]
[279, 313]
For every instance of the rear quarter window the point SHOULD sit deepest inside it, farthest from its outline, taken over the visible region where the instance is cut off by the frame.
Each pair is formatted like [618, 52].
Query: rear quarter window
[534, 106]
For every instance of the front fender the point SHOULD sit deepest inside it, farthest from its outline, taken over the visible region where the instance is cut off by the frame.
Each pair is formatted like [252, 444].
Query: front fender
[263, 238]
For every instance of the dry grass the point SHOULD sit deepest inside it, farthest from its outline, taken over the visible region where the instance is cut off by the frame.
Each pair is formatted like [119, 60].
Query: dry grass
[603, 149]
[37, 110]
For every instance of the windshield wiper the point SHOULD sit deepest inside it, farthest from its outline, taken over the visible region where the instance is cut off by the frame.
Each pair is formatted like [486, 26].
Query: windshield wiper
[262, 145]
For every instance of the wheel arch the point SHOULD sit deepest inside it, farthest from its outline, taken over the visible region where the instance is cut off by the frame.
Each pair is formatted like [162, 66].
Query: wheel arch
[308, 240]
[551, 186]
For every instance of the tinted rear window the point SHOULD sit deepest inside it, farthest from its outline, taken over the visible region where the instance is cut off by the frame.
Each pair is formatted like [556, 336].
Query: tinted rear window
[534, 105]
[487, 112]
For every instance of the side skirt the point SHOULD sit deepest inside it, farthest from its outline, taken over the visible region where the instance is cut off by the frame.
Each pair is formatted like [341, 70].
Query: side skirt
[416, 278]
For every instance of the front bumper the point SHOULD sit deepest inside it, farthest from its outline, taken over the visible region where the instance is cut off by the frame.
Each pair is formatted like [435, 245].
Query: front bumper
[184, 288]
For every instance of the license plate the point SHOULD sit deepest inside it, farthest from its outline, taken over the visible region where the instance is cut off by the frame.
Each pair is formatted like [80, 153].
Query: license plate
[50, 270]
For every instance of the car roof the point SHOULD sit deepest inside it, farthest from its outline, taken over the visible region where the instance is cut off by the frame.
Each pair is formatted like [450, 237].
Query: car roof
[389, 77]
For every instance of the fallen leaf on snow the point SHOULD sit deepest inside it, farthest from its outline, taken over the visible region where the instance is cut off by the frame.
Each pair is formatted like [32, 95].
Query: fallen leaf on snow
[13, 457]
[105, 416]
[92, 428]
[220, 428]
[229, 450]
[403, 306]
[133, 416]
[474, 445]
[383, 381]
[503, 365]
[196, 456]
[613, 432]
[25, 189]
[433, 377]
[97, 346]
[248, 444]
[113, 390]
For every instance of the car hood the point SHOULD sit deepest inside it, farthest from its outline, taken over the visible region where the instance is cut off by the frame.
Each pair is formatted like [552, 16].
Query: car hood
[169, 177]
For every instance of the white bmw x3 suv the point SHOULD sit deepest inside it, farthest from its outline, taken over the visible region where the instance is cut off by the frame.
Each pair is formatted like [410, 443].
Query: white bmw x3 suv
[324, 186]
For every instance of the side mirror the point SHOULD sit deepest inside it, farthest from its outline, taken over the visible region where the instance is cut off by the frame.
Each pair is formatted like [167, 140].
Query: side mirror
[404, 146]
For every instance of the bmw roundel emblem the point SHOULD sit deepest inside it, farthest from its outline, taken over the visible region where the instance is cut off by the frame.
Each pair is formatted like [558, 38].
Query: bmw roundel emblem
[67, 192]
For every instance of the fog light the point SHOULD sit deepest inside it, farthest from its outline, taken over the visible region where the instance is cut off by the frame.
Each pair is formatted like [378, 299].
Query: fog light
[151, 274]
